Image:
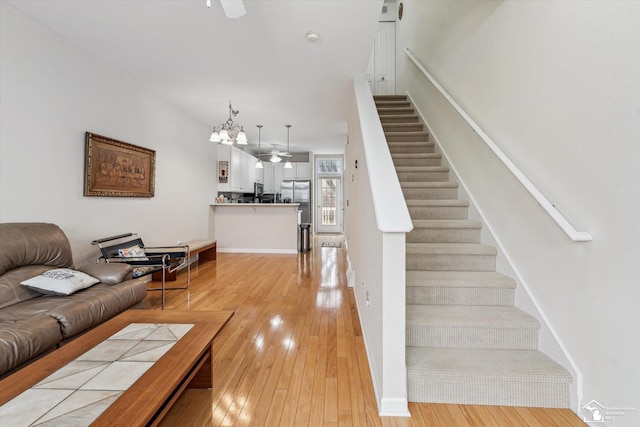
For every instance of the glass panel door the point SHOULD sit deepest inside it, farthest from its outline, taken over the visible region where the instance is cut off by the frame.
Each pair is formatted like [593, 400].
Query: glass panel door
[330, 205]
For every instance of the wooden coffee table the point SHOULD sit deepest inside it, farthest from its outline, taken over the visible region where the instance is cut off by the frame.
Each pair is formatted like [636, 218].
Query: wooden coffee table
[187, 364]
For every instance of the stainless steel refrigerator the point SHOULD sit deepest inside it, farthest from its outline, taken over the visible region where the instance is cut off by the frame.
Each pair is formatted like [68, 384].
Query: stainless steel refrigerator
[298, 192]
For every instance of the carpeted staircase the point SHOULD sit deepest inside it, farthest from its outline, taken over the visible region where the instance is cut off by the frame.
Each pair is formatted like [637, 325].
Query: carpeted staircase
[466, 342]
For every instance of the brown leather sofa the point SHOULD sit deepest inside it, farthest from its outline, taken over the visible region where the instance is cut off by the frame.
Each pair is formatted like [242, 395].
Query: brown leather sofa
[32, 323]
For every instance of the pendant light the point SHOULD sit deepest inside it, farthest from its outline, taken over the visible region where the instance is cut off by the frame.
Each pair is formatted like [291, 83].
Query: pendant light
[288, 164]
[259, 162]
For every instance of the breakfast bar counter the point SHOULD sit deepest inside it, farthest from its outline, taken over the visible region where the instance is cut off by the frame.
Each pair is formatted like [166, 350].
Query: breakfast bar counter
[256, 227]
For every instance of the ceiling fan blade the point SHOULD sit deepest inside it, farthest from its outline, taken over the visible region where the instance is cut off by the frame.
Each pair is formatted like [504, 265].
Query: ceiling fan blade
[233, 8]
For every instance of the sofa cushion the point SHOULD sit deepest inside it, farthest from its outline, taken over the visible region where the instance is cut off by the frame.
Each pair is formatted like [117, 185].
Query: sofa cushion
[11, 292]
[22, 339]
[82, 310]
[109, 274]
[60, 281]
[33, 244]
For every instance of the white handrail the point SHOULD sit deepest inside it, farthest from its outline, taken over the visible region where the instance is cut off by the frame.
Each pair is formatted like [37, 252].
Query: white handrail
[570, 231]
[392, 214]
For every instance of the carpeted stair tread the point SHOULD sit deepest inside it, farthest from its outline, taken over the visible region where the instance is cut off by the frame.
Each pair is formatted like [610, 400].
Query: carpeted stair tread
[416, 156]
[459, 316]
[459, 279]
[437, 203]
[394, 144]
[409, 135]
[450, 249]
[478, 364]
[415, 184]
[486, 377]
[459, 288]
[392, 103]
[396, 111]
[403, 127]
[446, 223]
[403, 118]
[389, 97]
[422, 169]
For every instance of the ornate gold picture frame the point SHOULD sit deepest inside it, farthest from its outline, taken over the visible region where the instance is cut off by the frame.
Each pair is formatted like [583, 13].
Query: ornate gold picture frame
[117, 169]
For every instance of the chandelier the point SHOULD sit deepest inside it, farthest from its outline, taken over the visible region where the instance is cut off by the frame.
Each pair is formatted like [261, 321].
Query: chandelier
[228, 132]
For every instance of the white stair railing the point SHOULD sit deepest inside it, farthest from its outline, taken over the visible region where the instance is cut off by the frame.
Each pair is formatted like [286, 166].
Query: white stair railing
[550, 209]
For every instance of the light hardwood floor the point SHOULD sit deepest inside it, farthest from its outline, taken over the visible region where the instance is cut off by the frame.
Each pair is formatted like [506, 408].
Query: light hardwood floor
[294, 355]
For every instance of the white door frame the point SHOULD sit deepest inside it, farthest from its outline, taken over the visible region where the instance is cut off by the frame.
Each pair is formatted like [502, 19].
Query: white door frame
[319, 176]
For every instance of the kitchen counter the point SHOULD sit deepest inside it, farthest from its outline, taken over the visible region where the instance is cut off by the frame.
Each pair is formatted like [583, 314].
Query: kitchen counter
[262, 205]
[256, 227]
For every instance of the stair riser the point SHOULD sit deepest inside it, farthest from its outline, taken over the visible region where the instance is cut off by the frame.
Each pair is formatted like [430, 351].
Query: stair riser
[444, 235]
[399, 119]
[472, 337]
[423, 176]
[383, 98]
[396, 111]
[402, 127]
[408, 137]
[459, 296]
[430, 193]
[450, 262]
[393, 104]
[417, 162]
[501, 392]
[422, 148]
[437, 212]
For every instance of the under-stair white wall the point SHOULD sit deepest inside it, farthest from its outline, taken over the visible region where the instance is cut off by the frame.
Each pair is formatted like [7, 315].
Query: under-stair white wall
[555, 85]
[51, 93]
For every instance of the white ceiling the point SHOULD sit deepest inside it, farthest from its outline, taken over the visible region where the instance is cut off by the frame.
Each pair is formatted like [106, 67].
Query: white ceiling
[199, 60]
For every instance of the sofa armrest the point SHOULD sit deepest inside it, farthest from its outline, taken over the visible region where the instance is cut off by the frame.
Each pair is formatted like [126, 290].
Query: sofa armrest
[108, 273]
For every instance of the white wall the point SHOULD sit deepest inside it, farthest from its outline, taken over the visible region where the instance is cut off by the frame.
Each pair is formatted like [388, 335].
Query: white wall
[364, 243]
[556, 86]
[51, 93]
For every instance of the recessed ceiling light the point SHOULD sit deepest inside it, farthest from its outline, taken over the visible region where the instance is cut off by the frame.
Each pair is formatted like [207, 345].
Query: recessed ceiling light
[312, 37]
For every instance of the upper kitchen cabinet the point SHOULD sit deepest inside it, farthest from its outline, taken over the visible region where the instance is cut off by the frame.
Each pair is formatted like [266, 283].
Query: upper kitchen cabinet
[241, 171]
[268, 175]
[298, 171]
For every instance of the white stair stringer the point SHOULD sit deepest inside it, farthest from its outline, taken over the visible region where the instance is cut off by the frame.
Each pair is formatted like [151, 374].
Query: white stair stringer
[466, 342]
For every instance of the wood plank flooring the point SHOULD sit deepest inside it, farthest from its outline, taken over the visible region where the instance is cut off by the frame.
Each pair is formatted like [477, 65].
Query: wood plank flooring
[294, 355]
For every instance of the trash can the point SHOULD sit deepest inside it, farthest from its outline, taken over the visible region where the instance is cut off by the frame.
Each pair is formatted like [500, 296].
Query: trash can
[304, 237]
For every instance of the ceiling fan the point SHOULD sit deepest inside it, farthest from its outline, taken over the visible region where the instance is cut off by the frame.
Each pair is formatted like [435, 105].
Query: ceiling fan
[232, 8]
[275, 155]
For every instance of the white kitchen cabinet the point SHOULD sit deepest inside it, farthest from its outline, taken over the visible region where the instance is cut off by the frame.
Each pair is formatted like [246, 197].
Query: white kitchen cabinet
[289, 173]
[250, 174]
[303, 171]
[260, 175]
[268, 173]
[278, 176]
[242, 171]
[298, 171]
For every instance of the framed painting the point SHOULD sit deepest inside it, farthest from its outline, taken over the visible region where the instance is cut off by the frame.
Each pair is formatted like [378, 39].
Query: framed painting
[223, 172]
[117, 169]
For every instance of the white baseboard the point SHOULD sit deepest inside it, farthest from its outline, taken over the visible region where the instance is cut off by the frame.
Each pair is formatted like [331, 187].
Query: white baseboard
[394, 407]
[258, 251]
